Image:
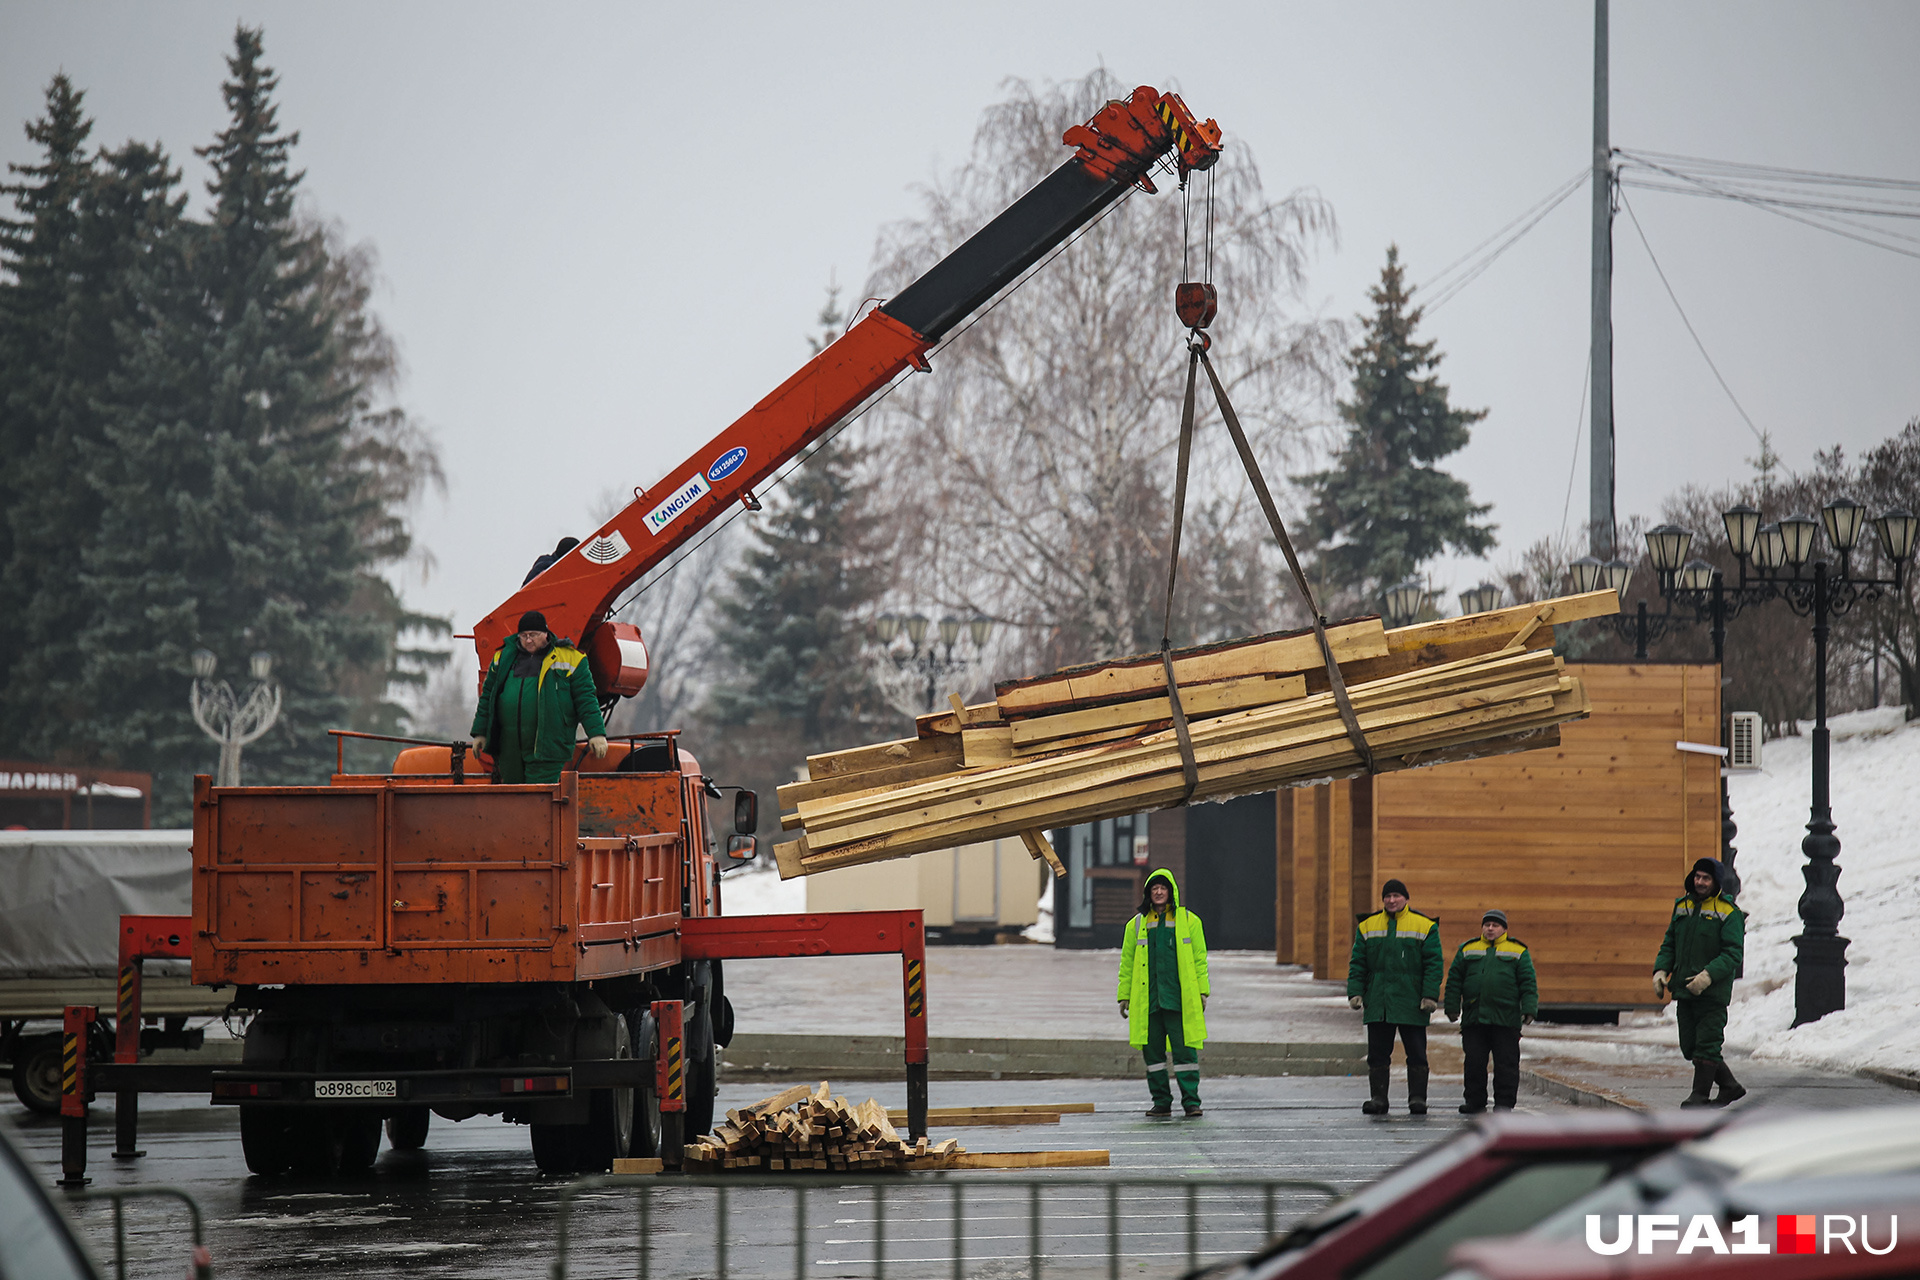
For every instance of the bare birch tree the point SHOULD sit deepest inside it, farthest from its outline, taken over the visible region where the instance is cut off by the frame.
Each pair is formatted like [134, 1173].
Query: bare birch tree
[1032, 474]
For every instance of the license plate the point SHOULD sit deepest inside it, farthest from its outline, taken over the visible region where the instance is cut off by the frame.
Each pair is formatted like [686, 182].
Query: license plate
[356, 1089]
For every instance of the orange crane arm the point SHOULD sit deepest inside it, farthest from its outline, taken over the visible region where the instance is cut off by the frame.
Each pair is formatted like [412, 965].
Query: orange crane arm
[1113, 151]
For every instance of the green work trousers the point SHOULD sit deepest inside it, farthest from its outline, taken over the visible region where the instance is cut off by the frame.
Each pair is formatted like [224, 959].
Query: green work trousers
[1703, 1029]
[1163, 1032]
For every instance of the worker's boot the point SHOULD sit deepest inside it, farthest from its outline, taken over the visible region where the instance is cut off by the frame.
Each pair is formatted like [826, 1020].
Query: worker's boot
[1416, 1091]
[1731, 1090]
[1702, 1085]
[1377, 1078]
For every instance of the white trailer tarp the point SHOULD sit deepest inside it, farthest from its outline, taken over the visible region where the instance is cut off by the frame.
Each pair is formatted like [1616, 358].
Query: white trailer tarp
[62, 894]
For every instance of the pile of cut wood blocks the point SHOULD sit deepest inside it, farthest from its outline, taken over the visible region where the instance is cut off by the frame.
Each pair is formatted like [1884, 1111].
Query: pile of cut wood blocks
[1097, 741]
[803, 1128]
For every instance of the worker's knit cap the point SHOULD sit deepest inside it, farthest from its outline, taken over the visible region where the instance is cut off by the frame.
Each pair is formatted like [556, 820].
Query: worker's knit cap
[1394, 886]
[1495, 913]
[532, 620]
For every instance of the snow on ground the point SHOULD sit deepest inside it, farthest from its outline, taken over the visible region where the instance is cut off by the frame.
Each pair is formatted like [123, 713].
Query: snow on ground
[1876, 812]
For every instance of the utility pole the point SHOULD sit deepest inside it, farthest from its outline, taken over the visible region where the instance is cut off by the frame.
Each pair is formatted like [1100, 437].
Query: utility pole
[1600, 452]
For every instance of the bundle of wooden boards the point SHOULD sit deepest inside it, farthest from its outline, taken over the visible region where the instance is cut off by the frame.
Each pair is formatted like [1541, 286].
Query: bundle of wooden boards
[1097, 741]
[802, 1128]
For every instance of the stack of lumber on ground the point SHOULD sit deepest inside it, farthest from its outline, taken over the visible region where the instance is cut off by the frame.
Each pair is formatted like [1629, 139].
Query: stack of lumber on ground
[802, 1129]
[1097, 741]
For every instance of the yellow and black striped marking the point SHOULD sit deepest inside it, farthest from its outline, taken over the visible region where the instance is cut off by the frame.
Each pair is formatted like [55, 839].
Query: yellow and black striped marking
[675, 1087]
[124, 1009]
[70, 1066]
[916, 988]
[1180, 142]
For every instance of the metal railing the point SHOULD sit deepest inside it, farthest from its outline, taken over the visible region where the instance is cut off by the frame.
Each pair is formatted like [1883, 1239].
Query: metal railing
[664, 1203]
[202, 1260]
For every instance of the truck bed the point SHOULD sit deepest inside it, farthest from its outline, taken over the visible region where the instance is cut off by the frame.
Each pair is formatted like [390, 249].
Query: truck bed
[390, 881]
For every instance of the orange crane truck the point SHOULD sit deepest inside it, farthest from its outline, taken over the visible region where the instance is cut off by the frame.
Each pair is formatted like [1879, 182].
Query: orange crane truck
[430, 942]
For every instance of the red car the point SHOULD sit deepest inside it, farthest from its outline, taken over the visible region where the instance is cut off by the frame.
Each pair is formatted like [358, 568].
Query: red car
[1501, 1175]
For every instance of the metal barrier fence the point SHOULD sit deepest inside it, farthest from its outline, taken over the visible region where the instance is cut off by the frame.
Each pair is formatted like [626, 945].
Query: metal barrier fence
[1218, 1218]
[202, 1261]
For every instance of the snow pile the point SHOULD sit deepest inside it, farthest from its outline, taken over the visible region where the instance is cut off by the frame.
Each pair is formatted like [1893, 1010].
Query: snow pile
[759, 891]
[1876, 812]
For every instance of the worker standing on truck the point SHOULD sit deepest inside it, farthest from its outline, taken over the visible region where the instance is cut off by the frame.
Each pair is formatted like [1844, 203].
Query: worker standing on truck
[1393, 978]
[1491, 992]
[1163, 994]
[538, 691]
[1698, 961]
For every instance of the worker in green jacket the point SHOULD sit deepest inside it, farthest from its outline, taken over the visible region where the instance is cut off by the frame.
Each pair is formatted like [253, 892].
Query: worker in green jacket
[1393, 977]
[1163, 991]
[1491, 992]
[1698, 961]
[538, 691]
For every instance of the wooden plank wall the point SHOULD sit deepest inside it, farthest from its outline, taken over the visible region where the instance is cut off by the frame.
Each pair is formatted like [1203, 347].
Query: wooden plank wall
[1583, 845]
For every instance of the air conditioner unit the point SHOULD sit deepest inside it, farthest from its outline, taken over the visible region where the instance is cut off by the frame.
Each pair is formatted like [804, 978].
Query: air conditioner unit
[1744, 740]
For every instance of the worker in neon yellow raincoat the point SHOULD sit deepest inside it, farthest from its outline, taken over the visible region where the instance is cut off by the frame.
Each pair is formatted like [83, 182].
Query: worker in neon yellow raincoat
[1163, 992]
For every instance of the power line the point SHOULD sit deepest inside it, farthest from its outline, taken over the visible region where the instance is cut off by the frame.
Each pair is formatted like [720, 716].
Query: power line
[1573, 463]
[1697, 185]
[1694, 334]
[1530, 217]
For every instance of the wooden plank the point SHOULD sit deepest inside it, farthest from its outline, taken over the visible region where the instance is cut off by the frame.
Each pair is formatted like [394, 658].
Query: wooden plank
[881, 755]
[792, 793]
[1029, 1160]
[1281, 654]
[987, 748]
[1196, 701]
[1041, 849]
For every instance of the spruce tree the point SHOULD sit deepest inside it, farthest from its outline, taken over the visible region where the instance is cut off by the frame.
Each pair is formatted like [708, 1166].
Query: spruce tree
[41, 253]
[791, 612]
[1384, 508]
[232, 515]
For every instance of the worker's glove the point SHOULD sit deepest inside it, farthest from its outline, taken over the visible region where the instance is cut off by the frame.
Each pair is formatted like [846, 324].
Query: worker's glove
[598, 745]
[1203, 1002]
[1126, 1008]
[1453, 1016]
[1429, 1005]
[479, 743]
[1526, 1019]
[1699, 982]
[1355, 1002]
[1660, 984]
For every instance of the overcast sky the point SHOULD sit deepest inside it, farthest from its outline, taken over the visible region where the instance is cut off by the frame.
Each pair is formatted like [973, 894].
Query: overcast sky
[605, 230]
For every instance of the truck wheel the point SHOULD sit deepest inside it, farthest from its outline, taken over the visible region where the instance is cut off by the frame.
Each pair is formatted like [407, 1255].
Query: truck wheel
[313, 1144]
[554, 1147]
[407, 1130]
[36, 1074]
[356, 1136]
[264, 1134]
[609, 1127]
[701, 1060]
[646, 1104]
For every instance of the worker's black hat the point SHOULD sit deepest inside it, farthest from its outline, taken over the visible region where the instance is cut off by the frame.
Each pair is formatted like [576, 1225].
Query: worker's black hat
[532, 620]
[1394, 886]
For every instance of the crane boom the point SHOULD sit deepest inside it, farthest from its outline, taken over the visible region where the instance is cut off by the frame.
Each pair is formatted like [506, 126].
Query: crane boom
[1113, 151]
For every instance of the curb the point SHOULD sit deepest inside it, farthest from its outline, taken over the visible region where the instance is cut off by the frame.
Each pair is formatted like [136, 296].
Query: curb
[773, 1057]
[1908, 1080]
[1554, 1085]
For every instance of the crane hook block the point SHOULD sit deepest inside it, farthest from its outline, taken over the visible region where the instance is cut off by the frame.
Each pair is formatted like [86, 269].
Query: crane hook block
[1195, 304]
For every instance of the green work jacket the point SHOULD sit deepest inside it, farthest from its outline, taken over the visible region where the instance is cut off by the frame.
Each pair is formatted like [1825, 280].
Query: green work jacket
[1395, 965]
[1492, 984]
[1190, 953]
[566, 701]
[1709, 934]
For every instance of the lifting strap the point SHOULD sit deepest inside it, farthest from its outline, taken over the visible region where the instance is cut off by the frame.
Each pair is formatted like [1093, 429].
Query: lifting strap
[1197, 356]
[1188, 764]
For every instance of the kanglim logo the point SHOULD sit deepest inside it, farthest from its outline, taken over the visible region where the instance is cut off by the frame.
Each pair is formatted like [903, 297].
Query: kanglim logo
[1792, 1233]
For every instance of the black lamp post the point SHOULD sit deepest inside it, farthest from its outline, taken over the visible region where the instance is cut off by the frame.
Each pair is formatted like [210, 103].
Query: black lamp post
[1778, 554]
[1404, 602]
[936, 660]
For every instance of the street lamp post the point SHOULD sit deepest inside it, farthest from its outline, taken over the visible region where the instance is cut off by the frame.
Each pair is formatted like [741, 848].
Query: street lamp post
[228, 720]
[1779, 553]
[936, 660]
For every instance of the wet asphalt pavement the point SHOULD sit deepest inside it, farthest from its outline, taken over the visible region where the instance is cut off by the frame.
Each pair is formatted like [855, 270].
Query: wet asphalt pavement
[472, 1204]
